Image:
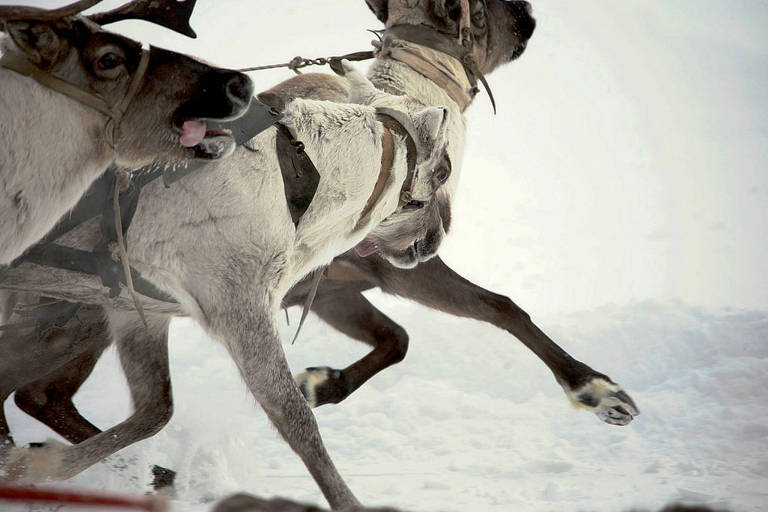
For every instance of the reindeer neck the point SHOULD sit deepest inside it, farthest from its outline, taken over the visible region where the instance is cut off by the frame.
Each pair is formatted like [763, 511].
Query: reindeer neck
[403, 67]
[347, 146]
[49, 154]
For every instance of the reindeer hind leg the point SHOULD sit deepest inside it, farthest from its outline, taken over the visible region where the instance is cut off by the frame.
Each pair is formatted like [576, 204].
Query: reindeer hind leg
[346, 309]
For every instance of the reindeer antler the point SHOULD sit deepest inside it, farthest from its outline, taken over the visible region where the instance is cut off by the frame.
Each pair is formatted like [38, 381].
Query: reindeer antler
[172, 14]
[15, 12]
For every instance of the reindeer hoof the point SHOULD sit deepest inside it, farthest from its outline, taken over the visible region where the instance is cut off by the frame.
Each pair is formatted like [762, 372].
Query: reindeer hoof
[35, 463]
[322, 385]
[607, 400]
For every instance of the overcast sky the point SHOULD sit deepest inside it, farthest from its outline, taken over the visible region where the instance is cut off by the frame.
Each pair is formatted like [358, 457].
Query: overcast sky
[628, 159]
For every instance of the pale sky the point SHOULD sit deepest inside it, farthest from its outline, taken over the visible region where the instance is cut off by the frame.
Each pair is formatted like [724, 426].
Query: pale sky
[628, 160]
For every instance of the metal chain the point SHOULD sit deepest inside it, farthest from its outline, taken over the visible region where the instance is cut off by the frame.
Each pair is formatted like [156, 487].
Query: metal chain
[299, 62]
[294, 64]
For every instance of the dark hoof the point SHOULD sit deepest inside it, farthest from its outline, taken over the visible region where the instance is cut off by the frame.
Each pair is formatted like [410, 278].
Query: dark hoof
[162, 480]
[322, 385]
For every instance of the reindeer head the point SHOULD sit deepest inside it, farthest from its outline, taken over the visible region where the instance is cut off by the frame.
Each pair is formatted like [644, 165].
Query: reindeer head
[414, 231]
[500, 29]
[156, 102]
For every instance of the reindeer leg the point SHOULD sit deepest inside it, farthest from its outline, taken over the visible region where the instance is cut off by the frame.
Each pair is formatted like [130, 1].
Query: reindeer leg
[347, 310]
[25, 356]
[254, 344]
[144, 357]
[49, 399]
[434, 284]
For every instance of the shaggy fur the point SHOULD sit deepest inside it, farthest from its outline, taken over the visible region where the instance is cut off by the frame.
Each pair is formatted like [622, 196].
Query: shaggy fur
[53, 147]
[222, 242]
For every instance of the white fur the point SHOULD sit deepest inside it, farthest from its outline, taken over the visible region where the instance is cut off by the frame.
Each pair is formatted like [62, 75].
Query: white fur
[48, 158]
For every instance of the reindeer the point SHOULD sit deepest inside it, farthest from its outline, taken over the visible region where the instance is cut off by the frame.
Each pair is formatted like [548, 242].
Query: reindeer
[408, 63]
[223, 244]
[74, 98]
[501, 31]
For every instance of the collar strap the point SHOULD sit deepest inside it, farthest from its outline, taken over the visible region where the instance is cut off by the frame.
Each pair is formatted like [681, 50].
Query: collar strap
[430, 37]
[392, 124]
[115, 112]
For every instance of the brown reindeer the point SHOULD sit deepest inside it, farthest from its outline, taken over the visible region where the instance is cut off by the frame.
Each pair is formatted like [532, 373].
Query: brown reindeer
[500, 35]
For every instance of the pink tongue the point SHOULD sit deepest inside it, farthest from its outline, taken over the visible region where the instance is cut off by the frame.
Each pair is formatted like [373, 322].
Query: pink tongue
[194, 133]
[365, 248]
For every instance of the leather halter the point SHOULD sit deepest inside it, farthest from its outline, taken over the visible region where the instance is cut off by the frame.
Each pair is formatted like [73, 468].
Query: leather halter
[430, 37]
[114, 112]
[393, 122]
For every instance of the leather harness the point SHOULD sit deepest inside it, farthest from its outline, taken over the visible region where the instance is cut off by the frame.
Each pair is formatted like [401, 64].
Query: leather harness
[430, 37]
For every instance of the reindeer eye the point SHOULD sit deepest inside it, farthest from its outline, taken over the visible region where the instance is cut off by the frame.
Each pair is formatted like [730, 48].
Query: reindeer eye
[479, 16]
[441, 174]
[109, 61]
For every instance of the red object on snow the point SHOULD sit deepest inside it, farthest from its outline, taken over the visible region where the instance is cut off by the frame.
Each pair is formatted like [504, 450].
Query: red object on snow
[35, 494]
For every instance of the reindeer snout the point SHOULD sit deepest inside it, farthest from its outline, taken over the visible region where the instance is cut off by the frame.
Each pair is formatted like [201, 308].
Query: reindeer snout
[524, 22]
[239, 89]
[426, 247]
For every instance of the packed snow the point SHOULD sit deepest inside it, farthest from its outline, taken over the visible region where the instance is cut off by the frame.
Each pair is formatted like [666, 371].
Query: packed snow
[619, 197]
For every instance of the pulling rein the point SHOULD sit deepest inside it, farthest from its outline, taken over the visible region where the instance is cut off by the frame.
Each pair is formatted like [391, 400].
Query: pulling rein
[114, 112]
[458, 46]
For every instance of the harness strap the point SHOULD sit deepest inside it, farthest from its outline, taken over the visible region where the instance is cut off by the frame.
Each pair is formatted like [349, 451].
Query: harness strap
[432, 38]
[92, 263]
[387, 159]
[113, 125]
[300, 176]
[419, 59]
[99, 200]
[115, 113]
[392, 124]
[319, 274]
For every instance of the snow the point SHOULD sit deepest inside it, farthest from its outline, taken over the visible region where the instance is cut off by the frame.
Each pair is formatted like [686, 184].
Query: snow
[471, 420]
[631, 143]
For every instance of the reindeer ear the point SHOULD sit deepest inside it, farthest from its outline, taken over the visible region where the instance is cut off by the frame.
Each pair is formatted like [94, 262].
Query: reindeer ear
[361, 90]
[432, 122]
[37, 40]
[380, 8]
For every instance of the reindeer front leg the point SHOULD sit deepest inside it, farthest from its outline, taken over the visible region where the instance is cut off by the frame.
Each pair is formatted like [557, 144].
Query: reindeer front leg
[144, 358]
[434, 284]
[250, 335]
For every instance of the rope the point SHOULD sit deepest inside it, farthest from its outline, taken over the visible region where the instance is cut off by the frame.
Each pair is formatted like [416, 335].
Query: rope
[121, 179]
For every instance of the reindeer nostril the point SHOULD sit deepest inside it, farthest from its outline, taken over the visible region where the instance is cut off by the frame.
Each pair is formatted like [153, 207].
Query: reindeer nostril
[524, 21]
[239, 88]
